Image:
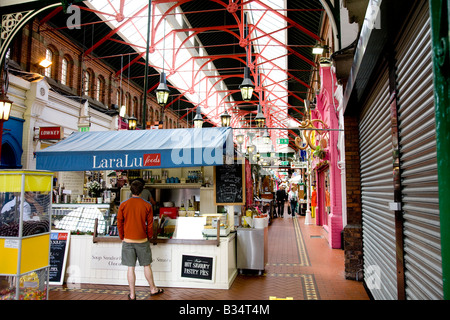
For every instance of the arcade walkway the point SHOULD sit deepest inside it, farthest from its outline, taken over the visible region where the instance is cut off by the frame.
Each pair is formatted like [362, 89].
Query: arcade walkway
[300, 266]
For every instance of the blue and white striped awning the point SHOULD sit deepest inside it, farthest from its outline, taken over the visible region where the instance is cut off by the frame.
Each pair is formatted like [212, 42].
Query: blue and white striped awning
[139, 149]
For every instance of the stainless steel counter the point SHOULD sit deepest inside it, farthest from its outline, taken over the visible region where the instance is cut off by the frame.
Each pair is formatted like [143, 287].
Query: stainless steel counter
[252, 248]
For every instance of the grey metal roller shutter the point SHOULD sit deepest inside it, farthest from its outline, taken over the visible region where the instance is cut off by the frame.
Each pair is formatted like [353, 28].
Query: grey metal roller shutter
[423, 271]
[377, 192]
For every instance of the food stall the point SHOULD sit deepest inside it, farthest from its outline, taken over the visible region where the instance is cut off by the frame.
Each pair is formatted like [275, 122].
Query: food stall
[25, 263]
[193, 245]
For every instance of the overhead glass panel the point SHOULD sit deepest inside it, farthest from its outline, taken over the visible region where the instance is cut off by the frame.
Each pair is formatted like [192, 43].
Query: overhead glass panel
[270, 36]
[180, 61]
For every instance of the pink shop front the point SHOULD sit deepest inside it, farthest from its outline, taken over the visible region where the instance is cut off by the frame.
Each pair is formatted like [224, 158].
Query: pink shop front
[326, 175]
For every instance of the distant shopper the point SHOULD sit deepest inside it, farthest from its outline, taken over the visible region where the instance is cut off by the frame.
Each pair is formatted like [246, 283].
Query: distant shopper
[292, 197]
[135, 226]
[313, 202]
[281, 199]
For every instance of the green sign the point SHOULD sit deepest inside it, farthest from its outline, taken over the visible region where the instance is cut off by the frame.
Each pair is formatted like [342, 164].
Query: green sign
[283, 141]
[284, 163]
[84, 129]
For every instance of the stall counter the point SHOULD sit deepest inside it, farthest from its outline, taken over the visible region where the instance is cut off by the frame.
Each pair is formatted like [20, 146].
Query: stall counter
[174, 265]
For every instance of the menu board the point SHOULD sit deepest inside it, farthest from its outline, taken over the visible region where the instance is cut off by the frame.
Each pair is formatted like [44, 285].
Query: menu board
[59, 247]
[197, 267]
[229, 184]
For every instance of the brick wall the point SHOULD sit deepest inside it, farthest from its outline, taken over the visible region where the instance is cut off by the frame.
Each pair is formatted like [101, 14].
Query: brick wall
[29, 48]
[353, 230]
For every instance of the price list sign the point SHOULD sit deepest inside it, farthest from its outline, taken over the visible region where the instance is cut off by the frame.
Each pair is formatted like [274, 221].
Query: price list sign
[59, 247]
[229, 184]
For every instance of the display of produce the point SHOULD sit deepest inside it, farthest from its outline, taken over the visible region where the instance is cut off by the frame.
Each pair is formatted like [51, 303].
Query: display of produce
[29, 228]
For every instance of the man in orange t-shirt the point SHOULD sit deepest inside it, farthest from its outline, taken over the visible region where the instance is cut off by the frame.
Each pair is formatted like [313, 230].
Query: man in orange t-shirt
[135, 226]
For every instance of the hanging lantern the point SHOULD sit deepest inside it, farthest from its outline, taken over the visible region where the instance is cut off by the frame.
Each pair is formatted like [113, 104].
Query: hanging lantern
[260, 119]
[266, 136]
[162, 92]
[240, 138]
[198, 120]
[132, 123]
[225, 119]
[5, 108]
[246, 86]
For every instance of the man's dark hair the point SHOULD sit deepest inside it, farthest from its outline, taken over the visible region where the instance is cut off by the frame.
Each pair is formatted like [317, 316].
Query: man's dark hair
[136, 187]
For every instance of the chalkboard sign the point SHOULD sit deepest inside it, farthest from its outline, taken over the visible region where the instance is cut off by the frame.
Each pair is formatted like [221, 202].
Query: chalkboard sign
[197, 267]
[229, 184]
[59, 246]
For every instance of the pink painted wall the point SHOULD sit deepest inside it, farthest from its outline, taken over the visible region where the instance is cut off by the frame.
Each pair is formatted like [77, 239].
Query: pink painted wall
[326, 110]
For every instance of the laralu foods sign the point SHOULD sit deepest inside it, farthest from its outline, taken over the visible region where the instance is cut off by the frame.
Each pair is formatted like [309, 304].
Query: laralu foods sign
[184, 157]
[147, 160]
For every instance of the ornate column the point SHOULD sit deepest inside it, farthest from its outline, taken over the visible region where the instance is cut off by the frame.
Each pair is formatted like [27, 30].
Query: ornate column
[36, 101]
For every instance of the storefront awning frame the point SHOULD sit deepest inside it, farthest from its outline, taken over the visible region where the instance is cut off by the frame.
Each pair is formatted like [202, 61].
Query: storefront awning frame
[140, 149]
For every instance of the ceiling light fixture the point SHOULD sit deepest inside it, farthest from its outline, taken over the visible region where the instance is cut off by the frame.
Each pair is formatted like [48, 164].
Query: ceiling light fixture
[260, 119]
[247, 86]
[162, 92]
[266, 136]
[225, 118]
[198, 120]
[132, 123]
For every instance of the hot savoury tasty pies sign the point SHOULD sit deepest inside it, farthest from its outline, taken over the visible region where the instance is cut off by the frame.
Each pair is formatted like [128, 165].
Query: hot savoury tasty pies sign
[197, 267]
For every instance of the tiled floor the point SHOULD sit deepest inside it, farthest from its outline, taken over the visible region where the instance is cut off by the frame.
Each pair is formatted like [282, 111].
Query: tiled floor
[301, 266]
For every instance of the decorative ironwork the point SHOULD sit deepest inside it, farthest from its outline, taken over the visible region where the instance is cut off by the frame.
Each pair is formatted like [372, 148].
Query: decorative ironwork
[10, 21]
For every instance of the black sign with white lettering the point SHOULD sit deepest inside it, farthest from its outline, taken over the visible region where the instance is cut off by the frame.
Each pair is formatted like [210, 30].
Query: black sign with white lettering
[229, 184]
[197, 267]
[59, 246]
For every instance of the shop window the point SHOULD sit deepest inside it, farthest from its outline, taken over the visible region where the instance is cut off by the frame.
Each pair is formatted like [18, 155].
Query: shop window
[119, 102]
[49, 57]
[128, 104]
[134, 106]
[66, 71]
[156, 117]
[327, 192]
[64, 66]
[100, 90]
[86, 83]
